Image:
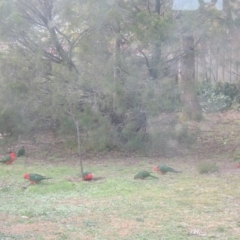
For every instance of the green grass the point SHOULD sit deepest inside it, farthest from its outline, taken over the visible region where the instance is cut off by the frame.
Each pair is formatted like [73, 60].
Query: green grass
[177, 206]
[207, 167]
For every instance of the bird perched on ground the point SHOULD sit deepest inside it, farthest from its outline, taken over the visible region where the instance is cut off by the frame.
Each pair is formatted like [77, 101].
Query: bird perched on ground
[238, 163]
[9, 159]
[237, 160]
[21, 152]
[87, 176]
[35, 178]
[165, 169]
[143, 175]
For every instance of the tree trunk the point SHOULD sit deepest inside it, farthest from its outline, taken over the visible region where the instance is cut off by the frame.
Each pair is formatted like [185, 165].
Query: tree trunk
[156, 51]
[155, 63]
[79, 148]
[190, 105]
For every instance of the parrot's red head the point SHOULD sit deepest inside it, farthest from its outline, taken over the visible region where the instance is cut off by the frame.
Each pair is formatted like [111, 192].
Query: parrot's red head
[26, 176]
[238, 165]
[12, 155]
[156, 168]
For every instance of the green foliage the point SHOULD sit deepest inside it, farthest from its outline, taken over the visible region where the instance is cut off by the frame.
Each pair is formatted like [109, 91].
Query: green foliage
[168, 136]
[132, 140]
[11, 122]
[227, 89]
[92, 68]
[207, 167]
[99, 139]
[161, 97]
[66, 126]
[218, 97]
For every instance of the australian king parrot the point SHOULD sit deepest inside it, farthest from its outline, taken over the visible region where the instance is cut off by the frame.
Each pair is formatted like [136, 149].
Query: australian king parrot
[143, 175]
[87, 176]
[9, 159]
[165, 169]
[35, 178]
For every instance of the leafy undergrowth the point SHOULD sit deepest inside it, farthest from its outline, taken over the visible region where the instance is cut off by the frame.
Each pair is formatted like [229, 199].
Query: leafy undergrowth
[175, 206]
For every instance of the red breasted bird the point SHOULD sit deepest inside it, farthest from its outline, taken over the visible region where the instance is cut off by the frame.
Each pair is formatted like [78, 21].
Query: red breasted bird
[165, 169]
[9, 159]
[35, 178]
[238, 163]
[143, 175]
[87, 176]
[237, 160]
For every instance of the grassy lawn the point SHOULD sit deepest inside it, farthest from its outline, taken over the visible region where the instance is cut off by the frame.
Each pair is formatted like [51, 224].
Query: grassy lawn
[175, 206]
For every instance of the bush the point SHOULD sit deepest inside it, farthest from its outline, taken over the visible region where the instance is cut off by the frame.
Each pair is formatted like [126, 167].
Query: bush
[169, 136]
[10, 123]
[218, 97]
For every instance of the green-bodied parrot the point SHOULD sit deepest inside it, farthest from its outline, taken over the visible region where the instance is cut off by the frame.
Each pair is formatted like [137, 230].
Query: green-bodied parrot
[21, 152]
[165, 169]
[143, 175]
[35, 178]
[9, 159]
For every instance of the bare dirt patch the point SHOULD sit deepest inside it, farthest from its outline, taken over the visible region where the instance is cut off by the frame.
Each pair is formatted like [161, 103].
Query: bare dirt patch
[45, 228]
[219, 134]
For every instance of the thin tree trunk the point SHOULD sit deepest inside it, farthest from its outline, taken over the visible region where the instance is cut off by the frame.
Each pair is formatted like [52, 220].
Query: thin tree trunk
[190, 105]
[79, 147]
[156, 50]
[217, 64]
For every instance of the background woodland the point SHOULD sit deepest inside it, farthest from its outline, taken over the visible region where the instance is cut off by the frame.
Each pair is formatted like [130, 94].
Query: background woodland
[115, 72]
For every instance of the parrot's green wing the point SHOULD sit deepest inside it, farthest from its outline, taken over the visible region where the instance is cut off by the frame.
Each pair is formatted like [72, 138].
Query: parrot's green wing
[6, 159]
[37, 177]
[165, 168]
[86, 173]
[143, 175]
[237, 159]
[21, 152]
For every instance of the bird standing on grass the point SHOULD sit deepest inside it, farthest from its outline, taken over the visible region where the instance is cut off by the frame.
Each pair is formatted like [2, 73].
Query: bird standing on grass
[21, 152]
[9, 159]
[87, 176]
[143, 175]
[165, 169]
[238, 163]
[35, 178]
[237, 160]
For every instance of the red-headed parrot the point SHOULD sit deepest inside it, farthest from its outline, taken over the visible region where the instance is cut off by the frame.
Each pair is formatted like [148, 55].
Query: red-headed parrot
[165, 169]
[9, 159]
[143, 175]
[21, 152]
[35, 178]
[238, 163]
[237, 159]
[87, 176]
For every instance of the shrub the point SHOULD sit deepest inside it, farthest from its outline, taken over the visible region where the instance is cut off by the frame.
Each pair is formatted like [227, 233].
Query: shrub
[217, 97]
[169, 136]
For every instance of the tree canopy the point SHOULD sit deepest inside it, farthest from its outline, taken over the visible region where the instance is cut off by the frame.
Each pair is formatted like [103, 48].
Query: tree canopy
[109, 65]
